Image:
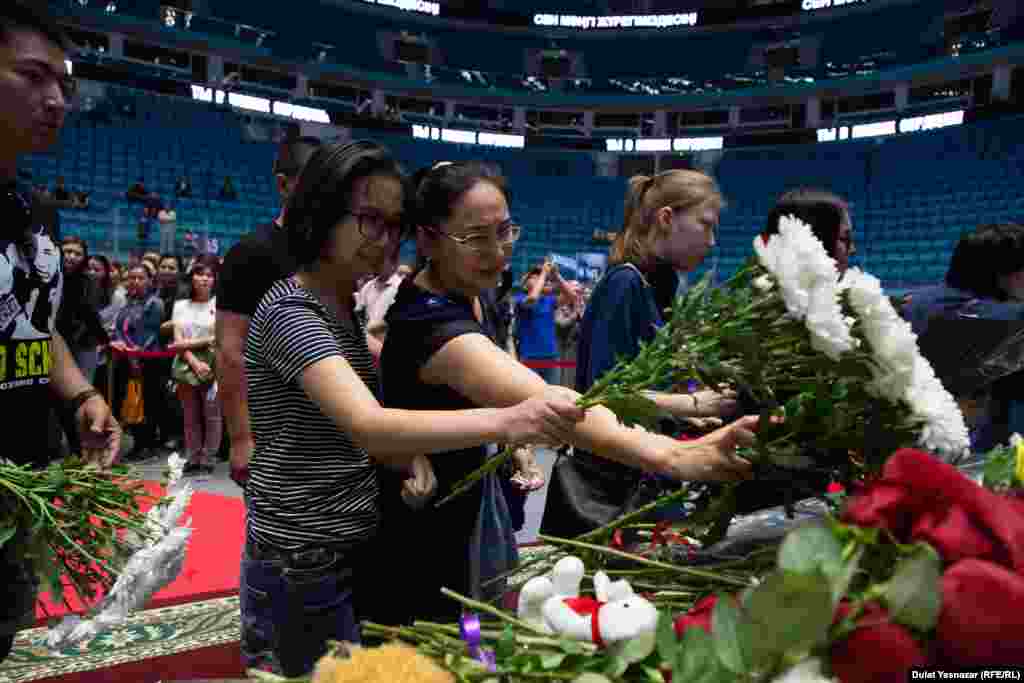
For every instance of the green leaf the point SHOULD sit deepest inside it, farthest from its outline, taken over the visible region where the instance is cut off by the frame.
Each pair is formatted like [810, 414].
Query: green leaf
[591, 678]
[616, 666]
[665, 637]
[841, 581]
[552, 660]
[506, 646]
[636, 649]
[696, 661]
[7, 534]
[809, 549]
[570, 647]
[633, 409]
[913, 594]
[731, 636]
[840, 391]
[788, 612]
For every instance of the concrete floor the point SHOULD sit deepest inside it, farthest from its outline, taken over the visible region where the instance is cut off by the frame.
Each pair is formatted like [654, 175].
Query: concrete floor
[219, 483]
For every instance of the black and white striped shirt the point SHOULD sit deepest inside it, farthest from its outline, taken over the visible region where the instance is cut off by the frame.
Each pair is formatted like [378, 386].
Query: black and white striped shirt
[308, 483]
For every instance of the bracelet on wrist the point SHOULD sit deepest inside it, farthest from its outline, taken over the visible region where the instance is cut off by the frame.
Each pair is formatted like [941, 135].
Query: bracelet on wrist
[81, 397]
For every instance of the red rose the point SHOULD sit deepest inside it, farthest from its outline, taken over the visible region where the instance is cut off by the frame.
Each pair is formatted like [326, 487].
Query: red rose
[699, 615]
[982, 617]
[878, 651]
[834, 487]
[919, 498]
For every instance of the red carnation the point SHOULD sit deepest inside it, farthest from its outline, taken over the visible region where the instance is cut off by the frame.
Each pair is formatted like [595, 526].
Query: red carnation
[982, 617]
[878, 651]
[699, 615]
[834, 487]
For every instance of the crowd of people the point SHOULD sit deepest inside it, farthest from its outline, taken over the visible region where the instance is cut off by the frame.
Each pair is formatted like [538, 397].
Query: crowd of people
[353, 390]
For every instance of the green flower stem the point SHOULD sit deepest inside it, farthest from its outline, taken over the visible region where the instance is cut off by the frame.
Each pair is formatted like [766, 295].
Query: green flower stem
[637, 514]
[493, 611]
[690, 571]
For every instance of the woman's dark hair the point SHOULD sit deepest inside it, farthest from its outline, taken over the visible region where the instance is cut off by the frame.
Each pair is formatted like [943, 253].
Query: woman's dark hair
[323, 195]
[982, 257]
[439, 189]
[105, 287]
[206, 262]
[75, 239]
[821, 209]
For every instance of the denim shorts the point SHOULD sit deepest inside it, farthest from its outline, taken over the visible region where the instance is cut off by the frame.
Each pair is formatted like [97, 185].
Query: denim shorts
[292, 603]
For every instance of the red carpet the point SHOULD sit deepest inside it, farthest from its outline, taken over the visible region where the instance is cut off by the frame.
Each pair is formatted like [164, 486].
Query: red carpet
[219, 661]
[211, 566]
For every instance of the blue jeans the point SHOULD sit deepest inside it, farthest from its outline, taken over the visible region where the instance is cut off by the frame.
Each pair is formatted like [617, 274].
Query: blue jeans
[291, 605]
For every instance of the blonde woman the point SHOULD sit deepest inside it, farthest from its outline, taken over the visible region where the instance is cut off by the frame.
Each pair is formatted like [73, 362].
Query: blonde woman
[670, 221]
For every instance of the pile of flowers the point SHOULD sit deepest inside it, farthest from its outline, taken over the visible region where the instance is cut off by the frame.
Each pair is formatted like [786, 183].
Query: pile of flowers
[157, 555]
[922, 568]
[84, 530]
[833, 356]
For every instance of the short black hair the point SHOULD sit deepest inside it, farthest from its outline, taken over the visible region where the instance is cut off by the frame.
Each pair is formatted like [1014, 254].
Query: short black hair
[439, 189]
[30, 15]
[983, 256]
[323, 195]
[294, 154]
[820, 209]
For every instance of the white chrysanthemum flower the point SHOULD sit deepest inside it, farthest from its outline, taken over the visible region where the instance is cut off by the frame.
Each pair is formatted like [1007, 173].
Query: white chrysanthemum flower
[809, 284]
[807, 671]
[764, 283]
[1015, 439]
[901, 373]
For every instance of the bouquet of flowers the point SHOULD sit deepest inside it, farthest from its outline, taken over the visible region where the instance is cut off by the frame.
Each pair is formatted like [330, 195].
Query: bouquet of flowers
[83, 529]
[157, 557]
[833, 357]
[922, 568]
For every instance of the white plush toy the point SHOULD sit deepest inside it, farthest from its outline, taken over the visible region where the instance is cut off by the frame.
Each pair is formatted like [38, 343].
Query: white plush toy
[554, 605]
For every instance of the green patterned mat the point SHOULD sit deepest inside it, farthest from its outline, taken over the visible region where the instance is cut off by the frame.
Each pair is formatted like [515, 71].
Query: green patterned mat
[148, 634]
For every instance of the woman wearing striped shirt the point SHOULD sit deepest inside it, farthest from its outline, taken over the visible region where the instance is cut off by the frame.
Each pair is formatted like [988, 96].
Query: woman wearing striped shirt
[318, 427]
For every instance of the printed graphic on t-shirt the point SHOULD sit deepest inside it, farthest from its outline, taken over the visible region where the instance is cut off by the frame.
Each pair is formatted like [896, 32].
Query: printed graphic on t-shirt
[30, 292]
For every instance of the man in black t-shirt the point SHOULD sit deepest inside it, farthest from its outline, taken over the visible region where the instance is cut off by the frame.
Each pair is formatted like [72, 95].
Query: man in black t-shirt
[249, 269]
[35, 362]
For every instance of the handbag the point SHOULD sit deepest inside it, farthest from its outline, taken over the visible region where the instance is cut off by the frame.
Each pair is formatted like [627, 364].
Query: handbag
[132, 407]
[587, 492]
[182, 373]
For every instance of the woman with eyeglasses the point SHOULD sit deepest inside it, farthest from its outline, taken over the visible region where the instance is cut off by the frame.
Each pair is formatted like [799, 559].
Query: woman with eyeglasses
[318, 426]
[440, 354]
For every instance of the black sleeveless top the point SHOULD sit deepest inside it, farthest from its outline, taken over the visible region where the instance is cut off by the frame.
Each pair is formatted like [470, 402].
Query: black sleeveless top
[433, 543]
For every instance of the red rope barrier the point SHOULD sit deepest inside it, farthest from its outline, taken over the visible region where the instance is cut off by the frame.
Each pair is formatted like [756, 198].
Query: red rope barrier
[143, 354]
[544, 364]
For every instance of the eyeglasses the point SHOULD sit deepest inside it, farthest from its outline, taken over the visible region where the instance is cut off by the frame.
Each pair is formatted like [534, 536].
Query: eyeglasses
[505, 237]
[374, 226]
